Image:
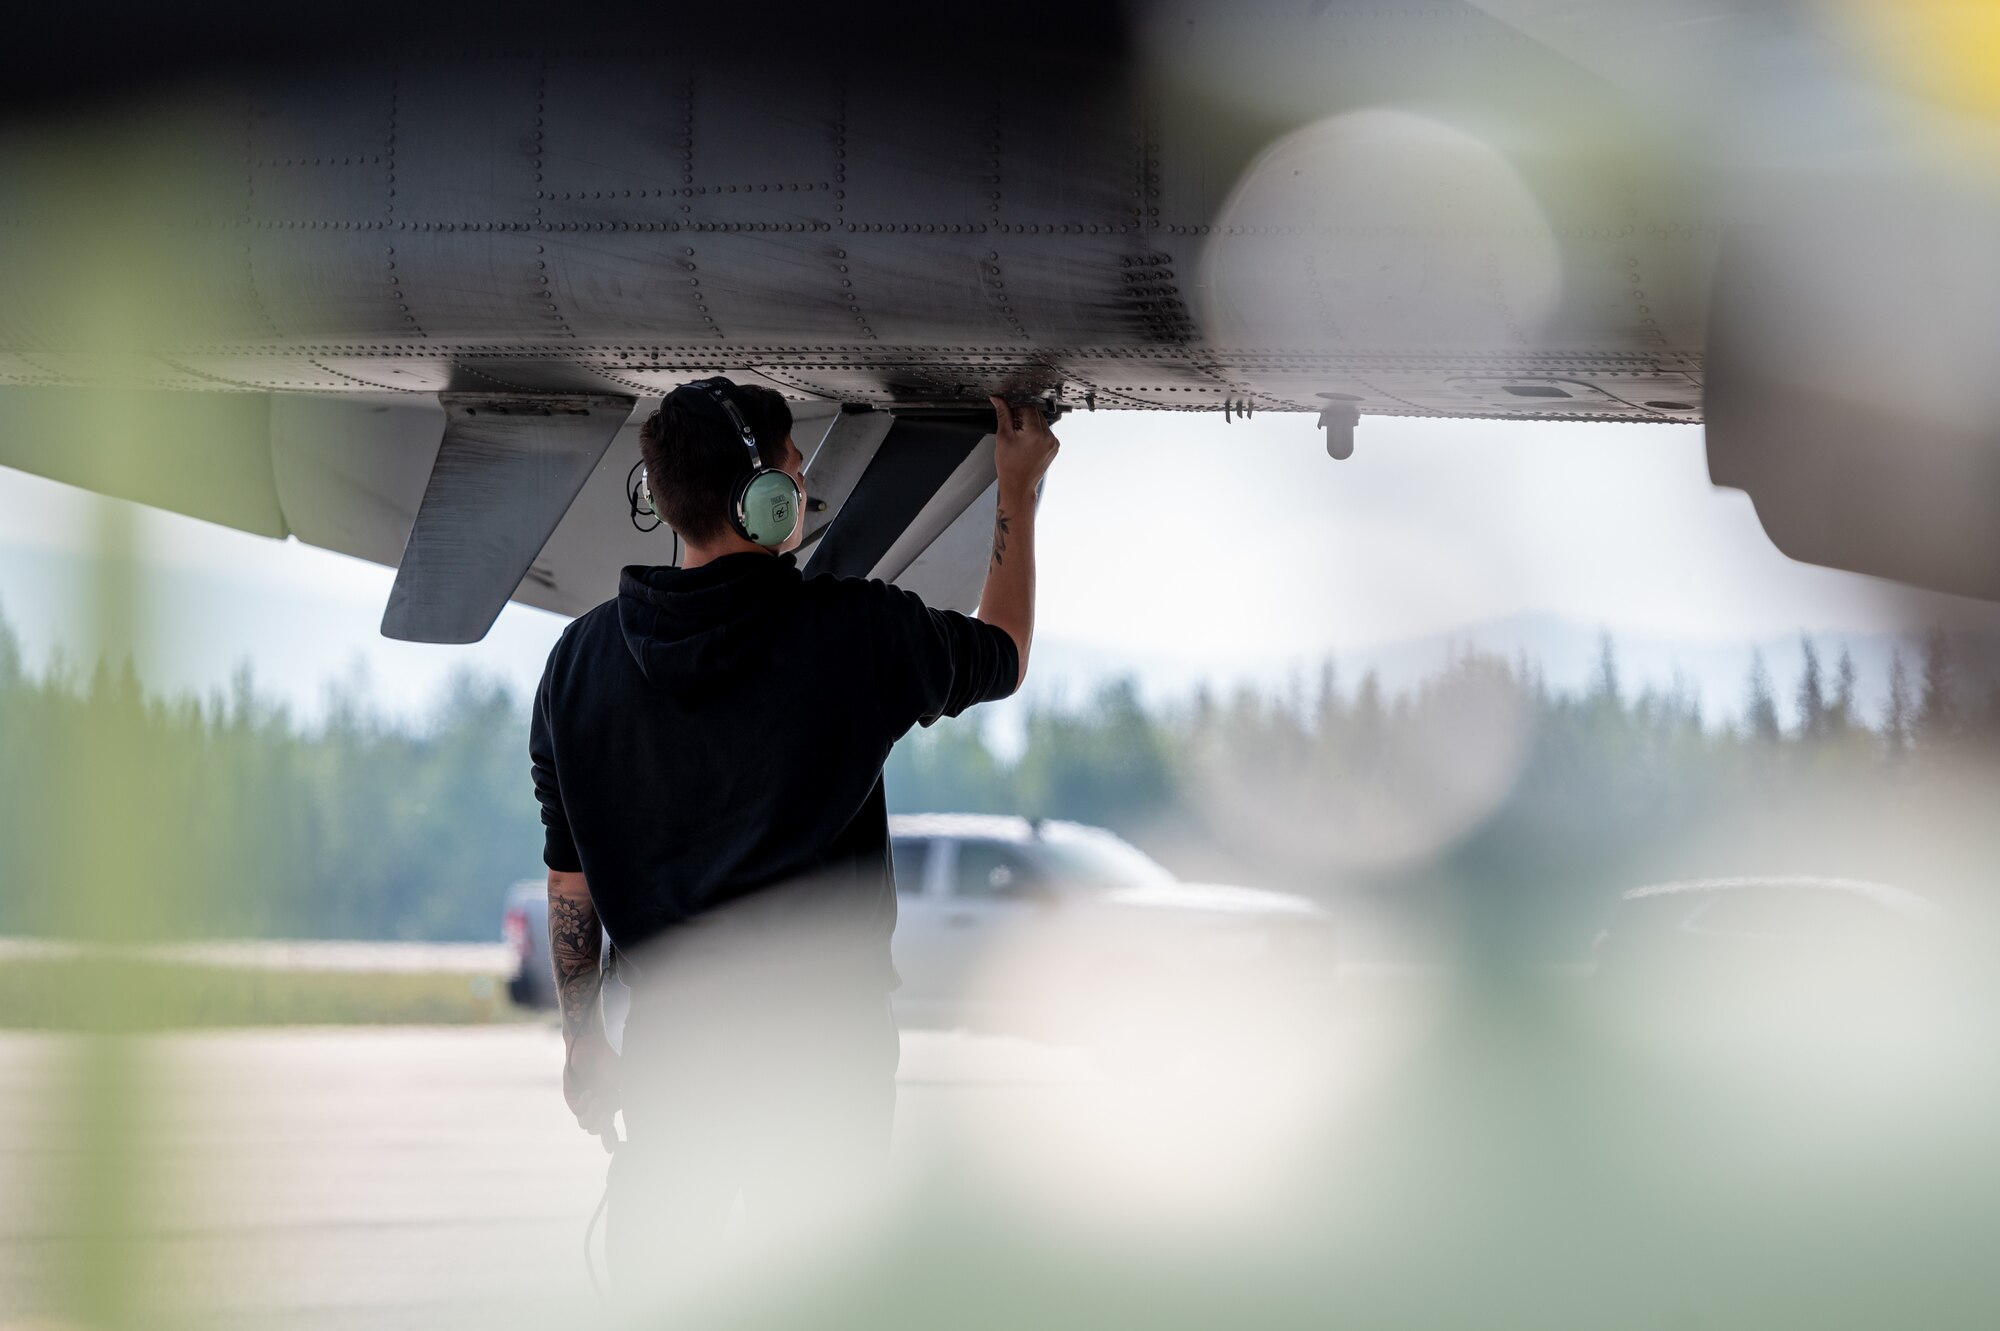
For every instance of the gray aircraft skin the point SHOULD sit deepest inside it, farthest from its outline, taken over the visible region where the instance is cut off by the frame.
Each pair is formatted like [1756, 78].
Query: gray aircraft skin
[1670, 211]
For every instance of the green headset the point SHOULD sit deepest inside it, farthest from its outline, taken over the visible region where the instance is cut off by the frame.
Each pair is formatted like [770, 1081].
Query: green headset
[765, 504]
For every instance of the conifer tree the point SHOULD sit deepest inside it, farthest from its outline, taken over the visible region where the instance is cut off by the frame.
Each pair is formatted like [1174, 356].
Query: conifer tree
[1365, 724]
[1760, 711]
[1812, 697]
[1937, 710]
[1326, 711]
[1896, 725]
[1840, 713]
[1606, 689]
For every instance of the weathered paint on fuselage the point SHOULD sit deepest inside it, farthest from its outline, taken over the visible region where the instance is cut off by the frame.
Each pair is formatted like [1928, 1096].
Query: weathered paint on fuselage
[1412, 208]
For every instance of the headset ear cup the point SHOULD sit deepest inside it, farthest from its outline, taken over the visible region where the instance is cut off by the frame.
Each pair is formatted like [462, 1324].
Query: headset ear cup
[769, 505]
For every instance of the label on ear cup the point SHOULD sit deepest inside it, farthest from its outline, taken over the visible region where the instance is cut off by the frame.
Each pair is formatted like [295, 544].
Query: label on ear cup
[770, 508]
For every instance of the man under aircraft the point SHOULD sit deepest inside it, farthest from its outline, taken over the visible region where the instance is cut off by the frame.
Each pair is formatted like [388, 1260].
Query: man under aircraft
[707, 748]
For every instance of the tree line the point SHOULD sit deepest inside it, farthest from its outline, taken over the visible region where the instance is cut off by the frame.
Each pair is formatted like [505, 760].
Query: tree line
[1485, 797]
[1481, 793]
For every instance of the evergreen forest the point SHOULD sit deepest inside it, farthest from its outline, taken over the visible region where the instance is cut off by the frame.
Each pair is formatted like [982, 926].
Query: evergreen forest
[1479, 802]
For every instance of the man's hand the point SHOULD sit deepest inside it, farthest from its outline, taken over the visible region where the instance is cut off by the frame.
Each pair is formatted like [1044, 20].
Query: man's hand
[1023, 448]
[591, 1085]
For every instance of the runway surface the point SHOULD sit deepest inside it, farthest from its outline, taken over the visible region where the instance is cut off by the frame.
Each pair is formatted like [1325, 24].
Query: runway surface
[1484, 1169]
[392, 1177]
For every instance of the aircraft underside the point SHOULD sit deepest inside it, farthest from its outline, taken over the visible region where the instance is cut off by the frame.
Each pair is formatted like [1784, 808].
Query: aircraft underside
[318, 270]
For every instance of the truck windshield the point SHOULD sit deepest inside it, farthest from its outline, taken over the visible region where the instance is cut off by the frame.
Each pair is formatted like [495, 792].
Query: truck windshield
[1093, 855]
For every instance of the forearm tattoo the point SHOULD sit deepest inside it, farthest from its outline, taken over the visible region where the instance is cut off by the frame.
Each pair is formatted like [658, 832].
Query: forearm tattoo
[576, 942]
[999, 536]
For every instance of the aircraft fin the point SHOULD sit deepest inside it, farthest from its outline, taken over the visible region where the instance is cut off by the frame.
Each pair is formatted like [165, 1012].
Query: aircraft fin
[921, 469]
[943, 553]
[507, 470]
[836, 468]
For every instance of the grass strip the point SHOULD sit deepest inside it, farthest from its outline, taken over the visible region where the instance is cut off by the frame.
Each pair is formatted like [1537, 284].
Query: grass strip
[75, 994]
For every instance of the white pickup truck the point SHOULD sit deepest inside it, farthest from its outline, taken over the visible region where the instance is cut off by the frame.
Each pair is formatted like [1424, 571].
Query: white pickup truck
[1040, 927]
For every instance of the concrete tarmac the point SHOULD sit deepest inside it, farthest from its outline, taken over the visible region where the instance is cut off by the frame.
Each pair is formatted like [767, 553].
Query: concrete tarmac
[383, 1178]
[1511, 1163]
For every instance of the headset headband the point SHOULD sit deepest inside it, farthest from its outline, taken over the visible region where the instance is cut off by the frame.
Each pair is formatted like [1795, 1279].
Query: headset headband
[717, 391]
[766, 502]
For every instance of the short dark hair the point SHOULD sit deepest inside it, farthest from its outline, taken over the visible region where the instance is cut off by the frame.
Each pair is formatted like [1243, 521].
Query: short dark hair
[693, 460]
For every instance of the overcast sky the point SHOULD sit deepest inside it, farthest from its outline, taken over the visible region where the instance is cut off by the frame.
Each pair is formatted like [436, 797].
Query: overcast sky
[1174, 545]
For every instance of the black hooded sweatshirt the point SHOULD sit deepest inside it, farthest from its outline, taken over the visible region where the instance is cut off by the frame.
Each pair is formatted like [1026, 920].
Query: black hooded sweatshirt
[708, 746]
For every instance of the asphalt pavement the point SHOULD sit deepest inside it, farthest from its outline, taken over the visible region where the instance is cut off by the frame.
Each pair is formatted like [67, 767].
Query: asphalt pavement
[1506, 1161]
[384, 1178]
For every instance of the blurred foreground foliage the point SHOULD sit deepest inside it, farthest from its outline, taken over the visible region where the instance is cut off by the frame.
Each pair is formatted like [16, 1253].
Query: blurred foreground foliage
[1480, 800]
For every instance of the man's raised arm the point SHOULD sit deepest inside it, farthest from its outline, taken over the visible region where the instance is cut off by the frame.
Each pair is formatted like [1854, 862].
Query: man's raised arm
[1022, 450]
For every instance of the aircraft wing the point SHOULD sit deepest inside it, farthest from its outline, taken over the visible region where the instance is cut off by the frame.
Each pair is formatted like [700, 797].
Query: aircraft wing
[354, 473]
[411, 301]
